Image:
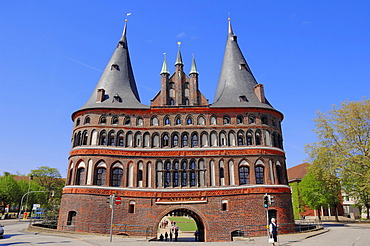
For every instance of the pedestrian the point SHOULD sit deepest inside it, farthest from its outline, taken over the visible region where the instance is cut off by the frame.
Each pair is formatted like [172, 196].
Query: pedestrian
[176, 233]
[161, 237]
[171, 236]
[273, 230]
[166, 236]
[196, 235]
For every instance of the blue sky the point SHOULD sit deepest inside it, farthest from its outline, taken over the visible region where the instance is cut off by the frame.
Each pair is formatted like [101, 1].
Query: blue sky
[308, 54]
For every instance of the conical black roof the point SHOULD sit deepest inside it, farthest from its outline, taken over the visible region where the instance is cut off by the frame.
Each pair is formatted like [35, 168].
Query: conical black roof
[236, 83]
[117, 81]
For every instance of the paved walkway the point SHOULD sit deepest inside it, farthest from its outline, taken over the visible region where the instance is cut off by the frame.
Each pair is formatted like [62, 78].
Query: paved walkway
[184, 239]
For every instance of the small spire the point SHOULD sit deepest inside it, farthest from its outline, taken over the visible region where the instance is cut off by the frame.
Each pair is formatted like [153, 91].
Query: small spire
[193, 66]
[125, 27]
[230, 27]
[179, 58]
[164, 65]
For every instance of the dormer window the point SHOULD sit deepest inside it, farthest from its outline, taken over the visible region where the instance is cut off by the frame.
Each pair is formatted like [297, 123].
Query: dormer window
[243, 99]
[117, 98]
[114, 67]
[121, 44]
[242, 66]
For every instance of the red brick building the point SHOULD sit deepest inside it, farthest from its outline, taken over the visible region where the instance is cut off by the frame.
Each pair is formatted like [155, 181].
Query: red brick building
[178, 156]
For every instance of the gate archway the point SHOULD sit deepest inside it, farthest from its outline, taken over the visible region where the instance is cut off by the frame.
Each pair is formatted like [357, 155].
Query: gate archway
[181, 212]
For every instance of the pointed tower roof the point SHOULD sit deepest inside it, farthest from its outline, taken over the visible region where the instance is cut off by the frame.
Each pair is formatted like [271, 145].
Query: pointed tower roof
[179, 58]
[193, 68]
[164, 65]
[116, 87]
[236, 82]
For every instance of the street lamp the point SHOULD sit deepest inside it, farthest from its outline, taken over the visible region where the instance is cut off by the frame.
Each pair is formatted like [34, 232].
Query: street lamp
[29, 185]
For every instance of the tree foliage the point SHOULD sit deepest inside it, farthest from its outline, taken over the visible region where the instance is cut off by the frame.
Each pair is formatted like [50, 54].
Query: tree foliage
[9, 190]
[343, 147]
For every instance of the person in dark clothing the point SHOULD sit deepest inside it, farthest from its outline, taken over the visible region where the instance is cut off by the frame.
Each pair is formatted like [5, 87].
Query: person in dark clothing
[196, 235]
[161, 237]
[273, 230]
[166, 236]
[170, 236]
[176, 233]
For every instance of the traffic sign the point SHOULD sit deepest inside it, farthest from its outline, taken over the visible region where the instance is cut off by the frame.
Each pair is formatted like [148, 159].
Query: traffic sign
[118, 200]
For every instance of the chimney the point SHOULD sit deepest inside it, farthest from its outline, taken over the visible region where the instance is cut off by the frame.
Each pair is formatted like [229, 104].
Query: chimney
[100, 95]
[260, 93]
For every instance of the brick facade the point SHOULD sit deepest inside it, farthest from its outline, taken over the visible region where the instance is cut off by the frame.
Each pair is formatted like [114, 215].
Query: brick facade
[179, 156]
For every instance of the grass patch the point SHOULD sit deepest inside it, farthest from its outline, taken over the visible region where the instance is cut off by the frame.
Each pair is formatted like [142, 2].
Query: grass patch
[184, 224]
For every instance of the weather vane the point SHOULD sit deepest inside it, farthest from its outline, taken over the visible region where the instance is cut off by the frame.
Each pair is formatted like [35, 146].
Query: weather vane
[127, 15]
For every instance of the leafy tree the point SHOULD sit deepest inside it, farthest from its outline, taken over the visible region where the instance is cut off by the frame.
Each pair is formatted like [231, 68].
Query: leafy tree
[344, 147]
[50, 179]
[33, 198]
[9, 190]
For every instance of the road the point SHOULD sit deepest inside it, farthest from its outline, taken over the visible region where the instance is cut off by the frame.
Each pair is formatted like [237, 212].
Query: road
[334, 235]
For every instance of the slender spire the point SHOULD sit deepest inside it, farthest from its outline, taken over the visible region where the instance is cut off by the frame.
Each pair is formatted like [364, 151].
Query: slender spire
[193, 66]
[116, 87]
[164, 65]
[179, 58]
[236, 84]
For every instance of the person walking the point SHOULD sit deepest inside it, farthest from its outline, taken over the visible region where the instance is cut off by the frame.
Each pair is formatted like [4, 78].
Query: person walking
[170, 236]
[166, 236]
[273, 230]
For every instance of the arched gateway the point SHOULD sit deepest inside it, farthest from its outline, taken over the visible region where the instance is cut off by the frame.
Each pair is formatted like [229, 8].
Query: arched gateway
[182, 212]
[180, 155]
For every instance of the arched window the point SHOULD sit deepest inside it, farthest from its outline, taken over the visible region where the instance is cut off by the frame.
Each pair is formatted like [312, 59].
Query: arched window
[251, 119]
[279, 173]
[77, 139]
[189, 120]
[137, 139]
[249, 138]
[268, 138]
[239, 119]
[155, 140]
[232, 141]
[213, 139]
[131, 207]
[103, 120]
[127, 121]
[231, 173]
[130, 175]
[71, 220]
[185, 140]
[275, 142]
[115, 120]
[84, 138]
[167, 174]
[178, 120]
[154, 121]
[260, 178]
[222, 173]
[194, 140]
[167, 121]
[78, 122]
[175, 176]
[240, 138]
[258, 137]
[264, 120]
[204, 139]
[224, 205]
[192, 173]
[165, 140]
[120, 138]
[139, 121]
[117, 174]
[201, 120]
[100, 176]
[172, 101]
[226, 120]
[80, 176]
[175, 140]
[146, 140]
[103, 138]
[139, 177]
[111, 139]
[222, 139]
[243, 175]
[87, 120]
[184, 175]
[94, 137]
[213, 120]
[129, 139]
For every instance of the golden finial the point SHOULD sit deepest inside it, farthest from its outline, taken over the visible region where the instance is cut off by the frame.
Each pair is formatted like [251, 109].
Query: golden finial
[179, 43]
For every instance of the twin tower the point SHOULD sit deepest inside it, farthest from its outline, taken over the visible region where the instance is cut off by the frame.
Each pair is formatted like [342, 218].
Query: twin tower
[179, 156]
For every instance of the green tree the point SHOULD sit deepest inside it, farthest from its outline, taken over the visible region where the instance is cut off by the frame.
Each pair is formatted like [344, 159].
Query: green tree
[33, 198]
[344, 146]
[9, 190]
[50, 179]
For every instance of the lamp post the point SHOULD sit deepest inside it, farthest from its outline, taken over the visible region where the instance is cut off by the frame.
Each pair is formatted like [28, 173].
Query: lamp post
[20, 211]
[29, 185]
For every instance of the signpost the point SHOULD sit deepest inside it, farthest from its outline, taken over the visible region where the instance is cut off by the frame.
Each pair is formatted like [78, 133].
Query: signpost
[112, 199]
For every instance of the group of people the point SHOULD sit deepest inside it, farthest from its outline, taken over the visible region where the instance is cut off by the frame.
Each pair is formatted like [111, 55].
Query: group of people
[172, 235]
